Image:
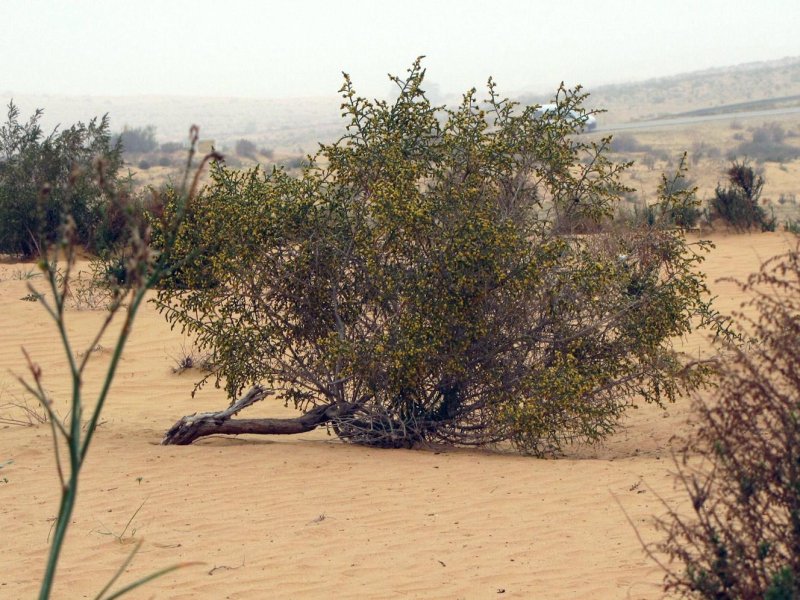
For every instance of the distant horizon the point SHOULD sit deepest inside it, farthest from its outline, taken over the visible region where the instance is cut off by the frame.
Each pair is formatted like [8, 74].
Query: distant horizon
[281, 49]
[712, 69]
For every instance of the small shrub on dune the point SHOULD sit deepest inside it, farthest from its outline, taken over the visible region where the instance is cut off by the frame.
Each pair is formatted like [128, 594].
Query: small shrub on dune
[738, 203]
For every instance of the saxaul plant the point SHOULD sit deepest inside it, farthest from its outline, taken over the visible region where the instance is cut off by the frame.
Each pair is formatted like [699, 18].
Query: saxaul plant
[72, 438]
[427, 279]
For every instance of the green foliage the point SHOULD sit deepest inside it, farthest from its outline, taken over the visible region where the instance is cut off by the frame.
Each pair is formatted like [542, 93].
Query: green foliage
[678, 203]
[783, 586]
[44, 178]
[737, 204]
[418, 273]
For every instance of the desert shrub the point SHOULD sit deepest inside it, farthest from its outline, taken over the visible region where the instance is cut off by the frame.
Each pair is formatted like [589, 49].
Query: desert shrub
[741, 467]
[626, 142]
[189, 358]
[170, 147]
[43, 178]
[769, 132]
[767, 144]
[701, 149]
[267, 153]
[679, 204]
[412, 285]
[297, 162]
[246, 148]
[738, 204]
[144, 164]
[649, 161]
[138, 140]
[636, 215]
[118, 217]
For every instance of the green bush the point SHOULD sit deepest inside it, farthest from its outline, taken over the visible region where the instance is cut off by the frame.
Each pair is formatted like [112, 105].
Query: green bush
[679, 204]
[411, 283]
[737, 204]
[44, 178]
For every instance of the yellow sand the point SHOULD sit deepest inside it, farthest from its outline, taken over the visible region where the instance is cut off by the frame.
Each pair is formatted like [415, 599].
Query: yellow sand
[306, 516]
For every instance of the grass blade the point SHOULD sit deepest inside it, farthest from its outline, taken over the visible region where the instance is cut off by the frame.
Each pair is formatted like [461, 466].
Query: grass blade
[147, 578]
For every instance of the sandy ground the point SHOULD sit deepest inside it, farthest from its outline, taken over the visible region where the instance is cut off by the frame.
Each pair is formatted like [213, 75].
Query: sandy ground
[309, 517]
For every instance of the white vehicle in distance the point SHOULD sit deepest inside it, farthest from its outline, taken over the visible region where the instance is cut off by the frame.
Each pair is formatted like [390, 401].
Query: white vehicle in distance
[589, 122]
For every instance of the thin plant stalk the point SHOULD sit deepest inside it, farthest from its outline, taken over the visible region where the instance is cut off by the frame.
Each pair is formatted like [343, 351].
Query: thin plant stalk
[145, 273]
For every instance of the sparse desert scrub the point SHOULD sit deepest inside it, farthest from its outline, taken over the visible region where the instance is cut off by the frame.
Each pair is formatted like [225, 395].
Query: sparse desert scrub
[625, 143]
[740, 467]
[246, 148]
[190, 357]
[768, 144]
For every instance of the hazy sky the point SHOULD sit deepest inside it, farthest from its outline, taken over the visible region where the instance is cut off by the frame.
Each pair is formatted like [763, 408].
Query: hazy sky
[299, 48]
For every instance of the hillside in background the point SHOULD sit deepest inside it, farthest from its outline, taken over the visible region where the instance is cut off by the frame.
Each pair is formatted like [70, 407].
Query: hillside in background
[702, 89]
[294, 125]
[285, 124]
[283, 131]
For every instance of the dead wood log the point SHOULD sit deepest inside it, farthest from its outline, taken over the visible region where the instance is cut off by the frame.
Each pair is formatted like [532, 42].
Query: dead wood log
[189, 428]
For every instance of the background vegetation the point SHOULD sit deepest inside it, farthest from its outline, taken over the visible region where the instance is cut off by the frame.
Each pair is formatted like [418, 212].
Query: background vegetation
[43, 178]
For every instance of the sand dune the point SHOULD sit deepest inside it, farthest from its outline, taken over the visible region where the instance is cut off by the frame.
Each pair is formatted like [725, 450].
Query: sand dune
[307, 516]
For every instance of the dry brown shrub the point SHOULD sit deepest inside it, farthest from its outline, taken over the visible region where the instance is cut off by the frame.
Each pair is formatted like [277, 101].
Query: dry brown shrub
[741, 466]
